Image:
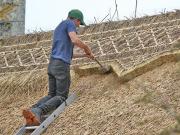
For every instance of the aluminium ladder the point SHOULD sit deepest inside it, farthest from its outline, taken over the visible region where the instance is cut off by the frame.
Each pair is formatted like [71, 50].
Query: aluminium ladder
[37, 130]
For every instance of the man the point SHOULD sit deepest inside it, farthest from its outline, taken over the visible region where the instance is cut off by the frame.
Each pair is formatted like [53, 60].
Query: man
[64, 39]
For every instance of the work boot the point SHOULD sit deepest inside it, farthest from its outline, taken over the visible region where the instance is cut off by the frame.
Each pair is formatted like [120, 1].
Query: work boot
[32, 116]
[29, 121]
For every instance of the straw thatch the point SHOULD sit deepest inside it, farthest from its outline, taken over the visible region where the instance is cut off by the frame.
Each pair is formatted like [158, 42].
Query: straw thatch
[94, 28]
[105, 106]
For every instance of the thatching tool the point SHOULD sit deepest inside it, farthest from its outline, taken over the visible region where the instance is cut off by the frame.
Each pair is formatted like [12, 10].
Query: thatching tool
[105, 68]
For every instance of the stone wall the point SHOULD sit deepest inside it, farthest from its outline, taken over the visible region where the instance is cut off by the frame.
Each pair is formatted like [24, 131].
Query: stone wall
[12, 17]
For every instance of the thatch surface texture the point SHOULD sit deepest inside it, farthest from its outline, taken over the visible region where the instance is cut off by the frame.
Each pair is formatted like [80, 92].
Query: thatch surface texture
[147, 104]
[104, 105]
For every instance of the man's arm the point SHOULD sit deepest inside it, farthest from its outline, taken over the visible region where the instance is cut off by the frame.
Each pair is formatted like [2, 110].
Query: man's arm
[76, 41]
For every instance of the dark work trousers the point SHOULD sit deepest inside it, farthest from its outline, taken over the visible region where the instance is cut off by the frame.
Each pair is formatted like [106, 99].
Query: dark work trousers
[59, 83]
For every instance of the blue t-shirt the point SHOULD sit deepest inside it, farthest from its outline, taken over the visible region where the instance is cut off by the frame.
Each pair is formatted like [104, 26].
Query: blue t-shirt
[62, 47]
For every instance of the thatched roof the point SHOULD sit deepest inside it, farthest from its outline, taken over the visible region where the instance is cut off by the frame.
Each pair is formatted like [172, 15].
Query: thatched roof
[140, 97]
[144, 105]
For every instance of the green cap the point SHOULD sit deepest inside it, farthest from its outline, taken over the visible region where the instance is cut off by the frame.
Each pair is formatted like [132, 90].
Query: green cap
[77, 14]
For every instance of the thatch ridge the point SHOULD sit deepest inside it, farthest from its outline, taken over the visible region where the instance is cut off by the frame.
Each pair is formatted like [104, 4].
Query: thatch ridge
[93, 28]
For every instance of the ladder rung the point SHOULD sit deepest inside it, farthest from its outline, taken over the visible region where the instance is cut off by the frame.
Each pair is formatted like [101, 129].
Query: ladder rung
[31, 127]
[45, 116]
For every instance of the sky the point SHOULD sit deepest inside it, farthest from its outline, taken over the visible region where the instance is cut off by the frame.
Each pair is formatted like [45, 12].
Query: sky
[47, 14]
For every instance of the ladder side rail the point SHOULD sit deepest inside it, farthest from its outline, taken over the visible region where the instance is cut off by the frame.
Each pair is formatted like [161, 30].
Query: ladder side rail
[39, 129]
[54, 115]
[21, 131]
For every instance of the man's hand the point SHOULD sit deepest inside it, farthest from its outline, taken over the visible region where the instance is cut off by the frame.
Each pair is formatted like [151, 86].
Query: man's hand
[91, 56]
[89, 53]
